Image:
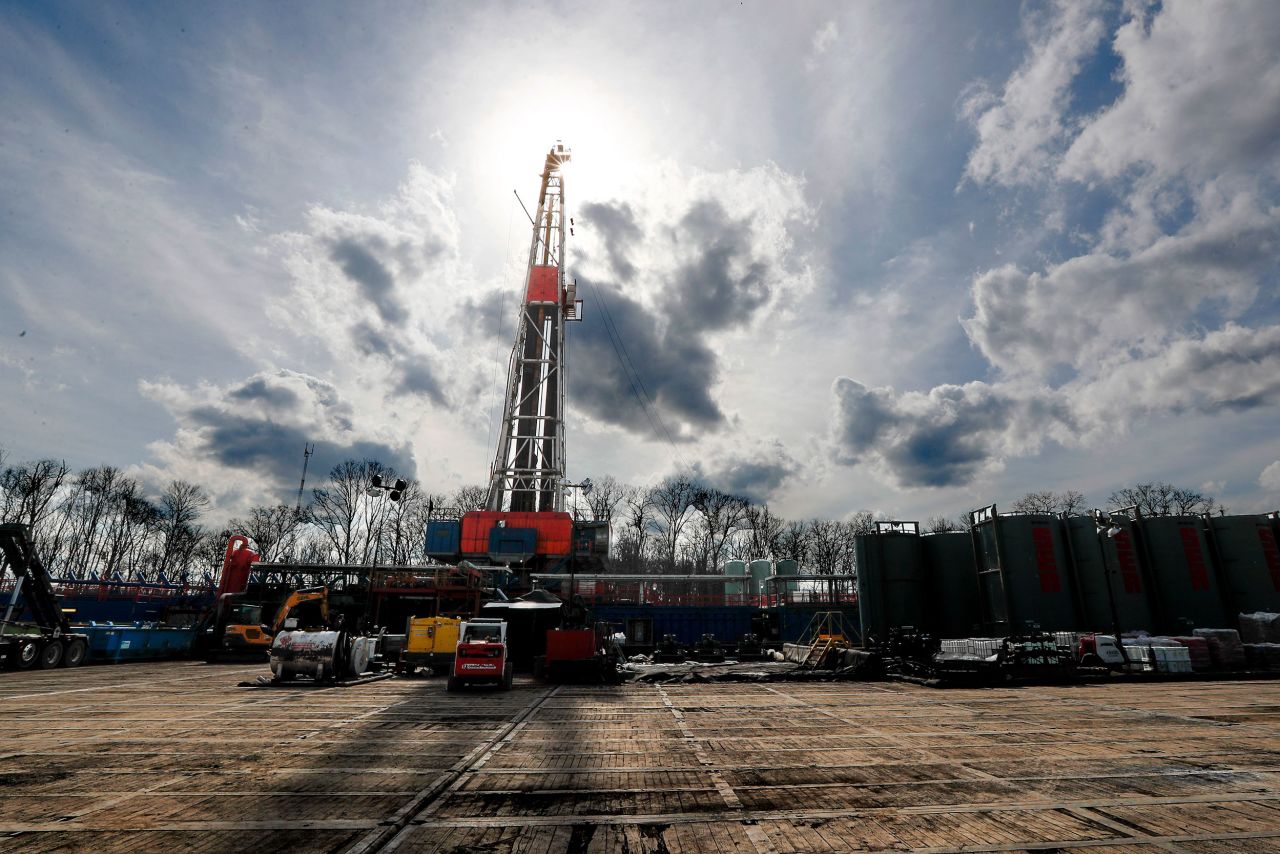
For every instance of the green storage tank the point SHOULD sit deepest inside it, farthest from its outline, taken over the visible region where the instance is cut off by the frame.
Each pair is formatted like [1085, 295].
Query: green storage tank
[1245, 547]
[760, 570]
[1024, 573]
[953, 584]
[783, 568]
[1114, 561]
[1186, 588]
[892, 588]
[735, 569]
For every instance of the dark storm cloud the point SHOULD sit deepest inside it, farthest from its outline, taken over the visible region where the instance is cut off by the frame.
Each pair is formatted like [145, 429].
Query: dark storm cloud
[269, 451]
[719, 284]
[943, 438]
[616, 224]
[258, 390]
[370, 341]
[755, 477]
[416, 377]
[374, 280]
[677, 371]
[491, 314]
[725, 285]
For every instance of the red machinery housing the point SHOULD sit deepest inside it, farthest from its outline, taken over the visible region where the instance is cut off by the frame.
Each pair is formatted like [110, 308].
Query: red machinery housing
[579, 655]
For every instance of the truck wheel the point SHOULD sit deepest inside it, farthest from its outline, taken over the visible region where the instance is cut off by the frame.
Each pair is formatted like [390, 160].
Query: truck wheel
[75, 654]
[27, 654]
[51, 655]
[454, 684]
[508, 675]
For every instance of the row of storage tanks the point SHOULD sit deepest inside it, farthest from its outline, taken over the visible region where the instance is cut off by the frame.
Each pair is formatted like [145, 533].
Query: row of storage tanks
[753, 574]
[1015, 573]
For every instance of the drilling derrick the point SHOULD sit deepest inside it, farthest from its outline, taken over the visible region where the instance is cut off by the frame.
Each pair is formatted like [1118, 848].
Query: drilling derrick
[523, 521]
[529, 469]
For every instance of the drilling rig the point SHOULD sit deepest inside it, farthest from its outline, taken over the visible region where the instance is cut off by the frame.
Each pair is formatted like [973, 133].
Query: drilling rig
[524, 522]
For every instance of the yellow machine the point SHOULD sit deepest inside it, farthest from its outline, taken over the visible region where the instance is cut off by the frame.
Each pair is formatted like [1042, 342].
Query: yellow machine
[244, 634]
[430, 643]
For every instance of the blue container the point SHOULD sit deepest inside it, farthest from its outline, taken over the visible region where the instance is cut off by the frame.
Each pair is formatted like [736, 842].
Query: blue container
[512, 544]
[138, 642]
[687, 622]
[444, 537]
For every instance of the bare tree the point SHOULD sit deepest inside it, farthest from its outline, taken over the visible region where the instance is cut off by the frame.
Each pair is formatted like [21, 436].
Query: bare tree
[637, 510]
[793, 542]
[763, 535]
[270, 528]
[1163, 499]
[1069, 502]
[27, 492]
[722, 516]
[672, 502]
[335, 508]
[181, 505]
[941, 525]
[605, 497]
[472, 497]
[827, 545]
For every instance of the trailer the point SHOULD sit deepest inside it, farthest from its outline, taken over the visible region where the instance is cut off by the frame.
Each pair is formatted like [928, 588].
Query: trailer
[48, 641]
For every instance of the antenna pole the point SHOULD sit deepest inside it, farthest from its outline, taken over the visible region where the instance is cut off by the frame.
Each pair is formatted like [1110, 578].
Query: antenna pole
[307, 450]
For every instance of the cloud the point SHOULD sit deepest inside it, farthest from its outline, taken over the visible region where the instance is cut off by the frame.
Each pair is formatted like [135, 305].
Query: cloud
[621, 354]
[375, 288]
[1089, 307]
[944, 437]
[718, 256]
[244, 441]
[1270, 477]
[952, 435]
[373, 278]
[1022, 129]
[1234, 368]
[720, 283]
[756, 474]
[616, 224]
[1201, 95]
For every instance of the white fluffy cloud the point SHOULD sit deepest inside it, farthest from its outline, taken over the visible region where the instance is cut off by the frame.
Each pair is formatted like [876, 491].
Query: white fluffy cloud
[1151, 318]
[1021, 129]
[1093, 306]
[1270, 477]
[1201, 94]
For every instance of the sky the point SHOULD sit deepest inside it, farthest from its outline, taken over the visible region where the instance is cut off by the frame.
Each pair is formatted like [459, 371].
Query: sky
[912, 258]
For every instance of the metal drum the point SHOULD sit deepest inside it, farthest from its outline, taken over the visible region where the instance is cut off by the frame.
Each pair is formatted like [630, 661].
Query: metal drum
[362, 651]
[316, 655]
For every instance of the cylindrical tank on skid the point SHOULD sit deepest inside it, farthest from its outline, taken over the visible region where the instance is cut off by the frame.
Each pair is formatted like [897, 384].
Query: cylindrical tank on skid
[760, 570]
[734, 569]
[322, 656]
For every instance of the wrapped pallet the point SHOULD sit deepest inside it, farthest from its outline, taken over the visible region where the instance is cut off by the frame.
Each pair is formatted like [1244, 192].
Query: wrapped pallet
[1225, 647]
[1260, 627]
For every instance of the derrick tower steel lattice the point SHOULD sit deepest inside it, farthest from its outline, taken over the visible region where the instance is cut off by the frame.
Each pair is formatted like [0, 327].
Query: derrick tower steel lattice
[528, 471]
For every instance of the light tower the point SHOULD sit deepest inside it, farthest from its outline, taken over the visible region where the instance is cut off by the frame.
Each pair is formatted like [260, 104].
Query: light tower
[528, 471]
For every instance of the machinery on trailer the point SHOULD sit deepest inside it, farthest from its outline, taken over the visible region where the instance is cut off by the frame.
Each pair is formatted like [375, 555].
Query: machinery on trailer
[48, 641]
[481, 655]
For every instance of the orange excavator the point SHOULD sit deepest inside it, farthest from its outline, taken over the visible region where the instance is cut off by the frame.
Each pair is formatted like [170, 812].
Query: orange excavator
[234, 629]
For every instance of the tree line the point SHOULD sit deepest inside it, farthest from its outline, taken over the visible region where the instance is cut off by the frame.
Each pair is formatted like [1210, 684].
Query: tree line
[100, 523]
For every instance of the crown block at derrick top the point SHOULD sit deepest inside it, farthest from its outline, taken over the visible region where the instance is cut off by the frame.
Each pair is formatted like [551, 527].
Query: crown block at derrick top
[544, 285]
